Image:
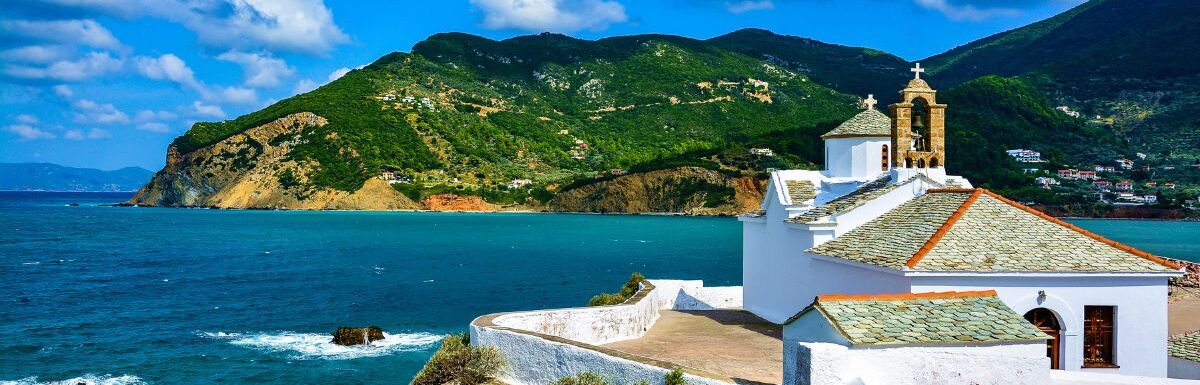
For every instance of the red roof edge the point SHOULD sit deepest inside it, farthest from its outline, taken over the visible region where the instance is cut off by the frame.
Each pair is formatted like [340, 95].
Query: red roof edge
[1089, 234]
[903, 296]
[941, 231]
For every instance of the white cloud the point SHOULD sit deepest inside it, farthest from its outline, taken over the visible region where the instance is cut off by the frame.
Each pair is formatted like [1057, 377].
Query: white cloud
[64, 91]
[27, 119]
[967, 12]
[207, 110]
[90, 65]
[75, 32]
[236, 95]
[338, 73]
[92, 112]
[37, 54]
[304, 85]
[158, 127]
[260, 70]
[288, 25]
[28, 132]
[743, 6]
[171, 68]
[95, 133]
[151, 116]
[550, 15]
[168, 67]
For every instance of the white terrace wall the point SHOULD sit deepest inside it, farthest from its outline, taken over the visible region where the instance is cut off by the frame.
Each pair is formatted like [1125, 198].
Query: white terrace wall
[833, 364]
[543, 346]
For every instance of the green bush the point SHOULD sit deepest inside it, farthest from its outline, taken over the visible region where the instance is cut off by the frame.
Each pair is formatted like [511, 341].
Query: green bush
[675, 378]
[628, 290]
[585, 378]
[456, 361]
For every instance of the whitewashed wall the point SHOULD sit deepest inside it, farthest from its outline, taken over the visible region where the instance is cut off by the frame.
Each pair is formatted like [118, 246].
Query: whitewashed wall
[1183, 369]
[854, 157]
[537, 361]
[833, 364]
[1063, 377]
[1141, 312]
[693, 295]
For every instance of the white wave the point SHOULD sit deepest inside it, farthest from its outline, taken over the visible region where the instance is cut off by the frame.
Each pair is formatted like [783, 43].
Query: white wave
[88, 379]
[321, 346]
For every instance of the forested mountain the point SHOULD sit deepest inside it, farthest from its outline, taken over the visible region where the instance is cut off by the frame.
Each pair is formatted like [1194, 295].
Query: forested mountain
[52, 177]
[520, 121]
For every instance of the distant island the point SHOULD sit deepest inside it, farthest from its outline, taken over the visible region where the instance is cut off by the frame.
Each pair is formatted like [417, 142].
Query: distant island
[53, 177]
[669, 124]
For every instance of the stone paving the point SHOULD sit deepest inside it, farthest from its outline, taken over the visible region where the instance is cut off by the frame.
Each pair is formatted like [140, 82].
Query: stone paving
[733, 343]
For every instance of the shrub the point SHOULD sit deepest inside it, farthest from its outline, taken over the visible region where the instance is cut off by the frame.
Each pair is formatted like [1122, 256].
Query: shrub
[675, 378]
[456, 361]
[585, 378]
[628, 290]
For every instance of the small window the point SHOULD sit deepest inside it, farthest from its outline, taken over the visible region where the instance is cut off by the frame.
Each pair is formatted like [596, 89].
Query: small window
[883, 163]
[1098, 337]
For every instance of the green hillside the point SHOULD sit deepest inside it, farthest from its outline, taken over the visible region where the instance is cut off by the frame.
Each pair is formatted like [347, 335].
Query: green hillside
[1130, 65]
[548, 108]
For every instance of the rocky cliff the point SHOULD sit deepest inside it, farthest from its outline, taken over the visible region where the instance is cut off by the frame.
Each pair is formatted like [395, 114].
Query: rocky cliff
[254, 169]
[687, 190]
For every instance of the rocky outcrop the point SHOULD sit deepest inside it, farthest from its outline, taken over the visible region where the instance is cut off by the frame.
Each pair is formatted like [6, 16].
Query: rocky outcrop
[686, 190]
[453, 202]
[347, 336]
[252, 169]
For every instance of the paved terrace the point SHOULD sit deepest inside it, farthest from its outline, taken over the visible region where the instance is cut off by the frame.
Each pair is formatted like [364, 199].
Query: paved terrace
[733, 343]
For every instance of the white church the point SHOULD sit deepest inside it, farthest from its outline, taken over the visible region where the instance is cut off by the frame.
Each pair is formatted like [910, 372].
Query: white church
[884, 221]
[880, 269]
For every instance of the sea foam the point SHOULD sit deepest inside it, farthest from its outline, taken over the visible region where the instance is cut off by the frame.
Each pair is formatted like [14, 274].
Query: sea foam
[88, 379]
[321, 346]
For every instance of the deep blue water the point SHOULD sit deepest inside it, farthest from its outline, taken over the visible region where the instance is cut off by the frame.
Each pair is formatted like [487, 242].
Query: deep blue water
[200, 296]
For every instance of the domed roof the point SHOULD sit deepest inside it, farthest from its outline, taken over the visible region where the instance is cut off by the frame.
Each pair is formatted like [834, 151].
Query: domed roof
[870, 123]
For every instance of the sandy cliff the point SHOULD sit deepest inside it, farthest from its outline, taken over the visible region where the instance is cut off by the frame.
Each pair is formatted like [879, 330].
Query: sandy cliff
[252, 170]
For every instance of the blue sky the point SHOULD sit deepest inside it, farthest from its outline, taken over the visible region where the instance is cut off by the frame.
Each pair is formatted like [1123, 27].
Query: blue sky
[109, 83]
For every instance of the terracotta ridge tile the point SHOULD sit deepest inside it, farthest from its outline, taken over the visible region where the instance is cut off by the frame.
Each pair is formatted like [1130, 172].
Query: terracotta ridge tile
[1089, 234]
[941, 231]
[903, 296]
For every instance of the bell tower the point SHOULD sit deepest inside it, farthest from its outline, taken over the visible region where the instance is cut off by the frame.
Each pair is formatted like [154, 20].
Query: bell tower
[918, 126]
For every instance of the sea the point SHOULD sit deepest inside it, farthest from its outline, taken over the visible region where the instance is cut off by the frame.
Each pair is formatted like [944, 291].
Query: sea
[121, 295]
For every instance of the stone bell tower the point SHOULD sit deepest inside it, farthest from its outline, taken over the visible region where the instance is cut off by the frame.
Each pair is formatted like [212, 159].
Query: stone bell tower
[918, 126]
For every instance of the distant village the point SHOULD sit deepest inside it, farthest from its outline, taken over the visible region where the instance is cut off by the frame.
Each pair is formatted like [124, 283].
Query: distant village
[1111, 183]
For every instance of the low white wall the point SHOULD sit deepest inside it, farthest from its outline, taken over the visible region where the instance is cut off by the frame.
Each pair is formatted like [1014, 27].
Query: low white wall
[693, 295]
[1185, 369]
[1063, 377]
[808, 363]
[546, 345]
[536, 361]
[596, 325]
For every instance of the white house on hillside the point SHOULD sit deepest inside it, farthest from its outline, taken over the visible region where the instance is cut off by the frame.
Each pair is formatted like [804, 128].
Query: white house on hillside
[903, 225]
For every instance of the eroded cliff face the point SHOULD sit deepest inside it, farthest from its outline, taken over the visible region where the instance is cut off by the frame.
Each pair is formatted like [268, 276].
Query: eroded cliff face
[252, 169]
[686, 190]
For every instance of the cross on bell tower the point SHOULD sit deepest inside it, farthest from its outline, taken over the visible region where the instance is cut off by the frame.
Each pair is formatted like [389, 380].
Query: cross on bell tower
[918, 126]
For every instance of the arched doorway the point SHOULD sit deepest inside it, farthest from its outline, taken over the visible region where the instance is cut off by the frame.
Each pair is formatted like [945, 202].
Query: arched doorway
[1047, 322]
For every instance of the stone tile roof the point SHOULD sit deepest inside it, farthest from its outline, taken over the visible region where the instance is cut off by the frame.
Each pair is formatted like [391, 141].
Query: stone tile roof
[977, 230]
[800, 190]
[1185, 346]
[953, 318]
[862, 195]
[869, 123]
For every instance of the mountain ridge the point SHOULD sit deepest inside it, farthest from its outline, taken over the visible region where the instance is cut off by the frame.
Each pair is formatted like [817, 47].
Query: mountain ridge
[53, 177]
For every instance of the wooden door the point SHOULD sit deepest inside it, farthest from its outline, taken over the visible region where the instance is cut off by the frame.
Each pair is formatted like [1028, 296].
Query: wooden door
[1045, 321]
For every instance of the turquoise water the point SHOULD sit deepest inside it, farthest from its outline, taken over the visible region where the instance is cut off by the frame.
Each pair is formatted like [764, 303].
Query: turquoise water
[198, 296]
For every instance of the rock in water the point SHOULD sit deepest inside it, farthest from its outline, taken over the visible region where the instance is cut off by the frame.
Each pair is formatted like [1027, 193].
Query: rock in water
[347, 336]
